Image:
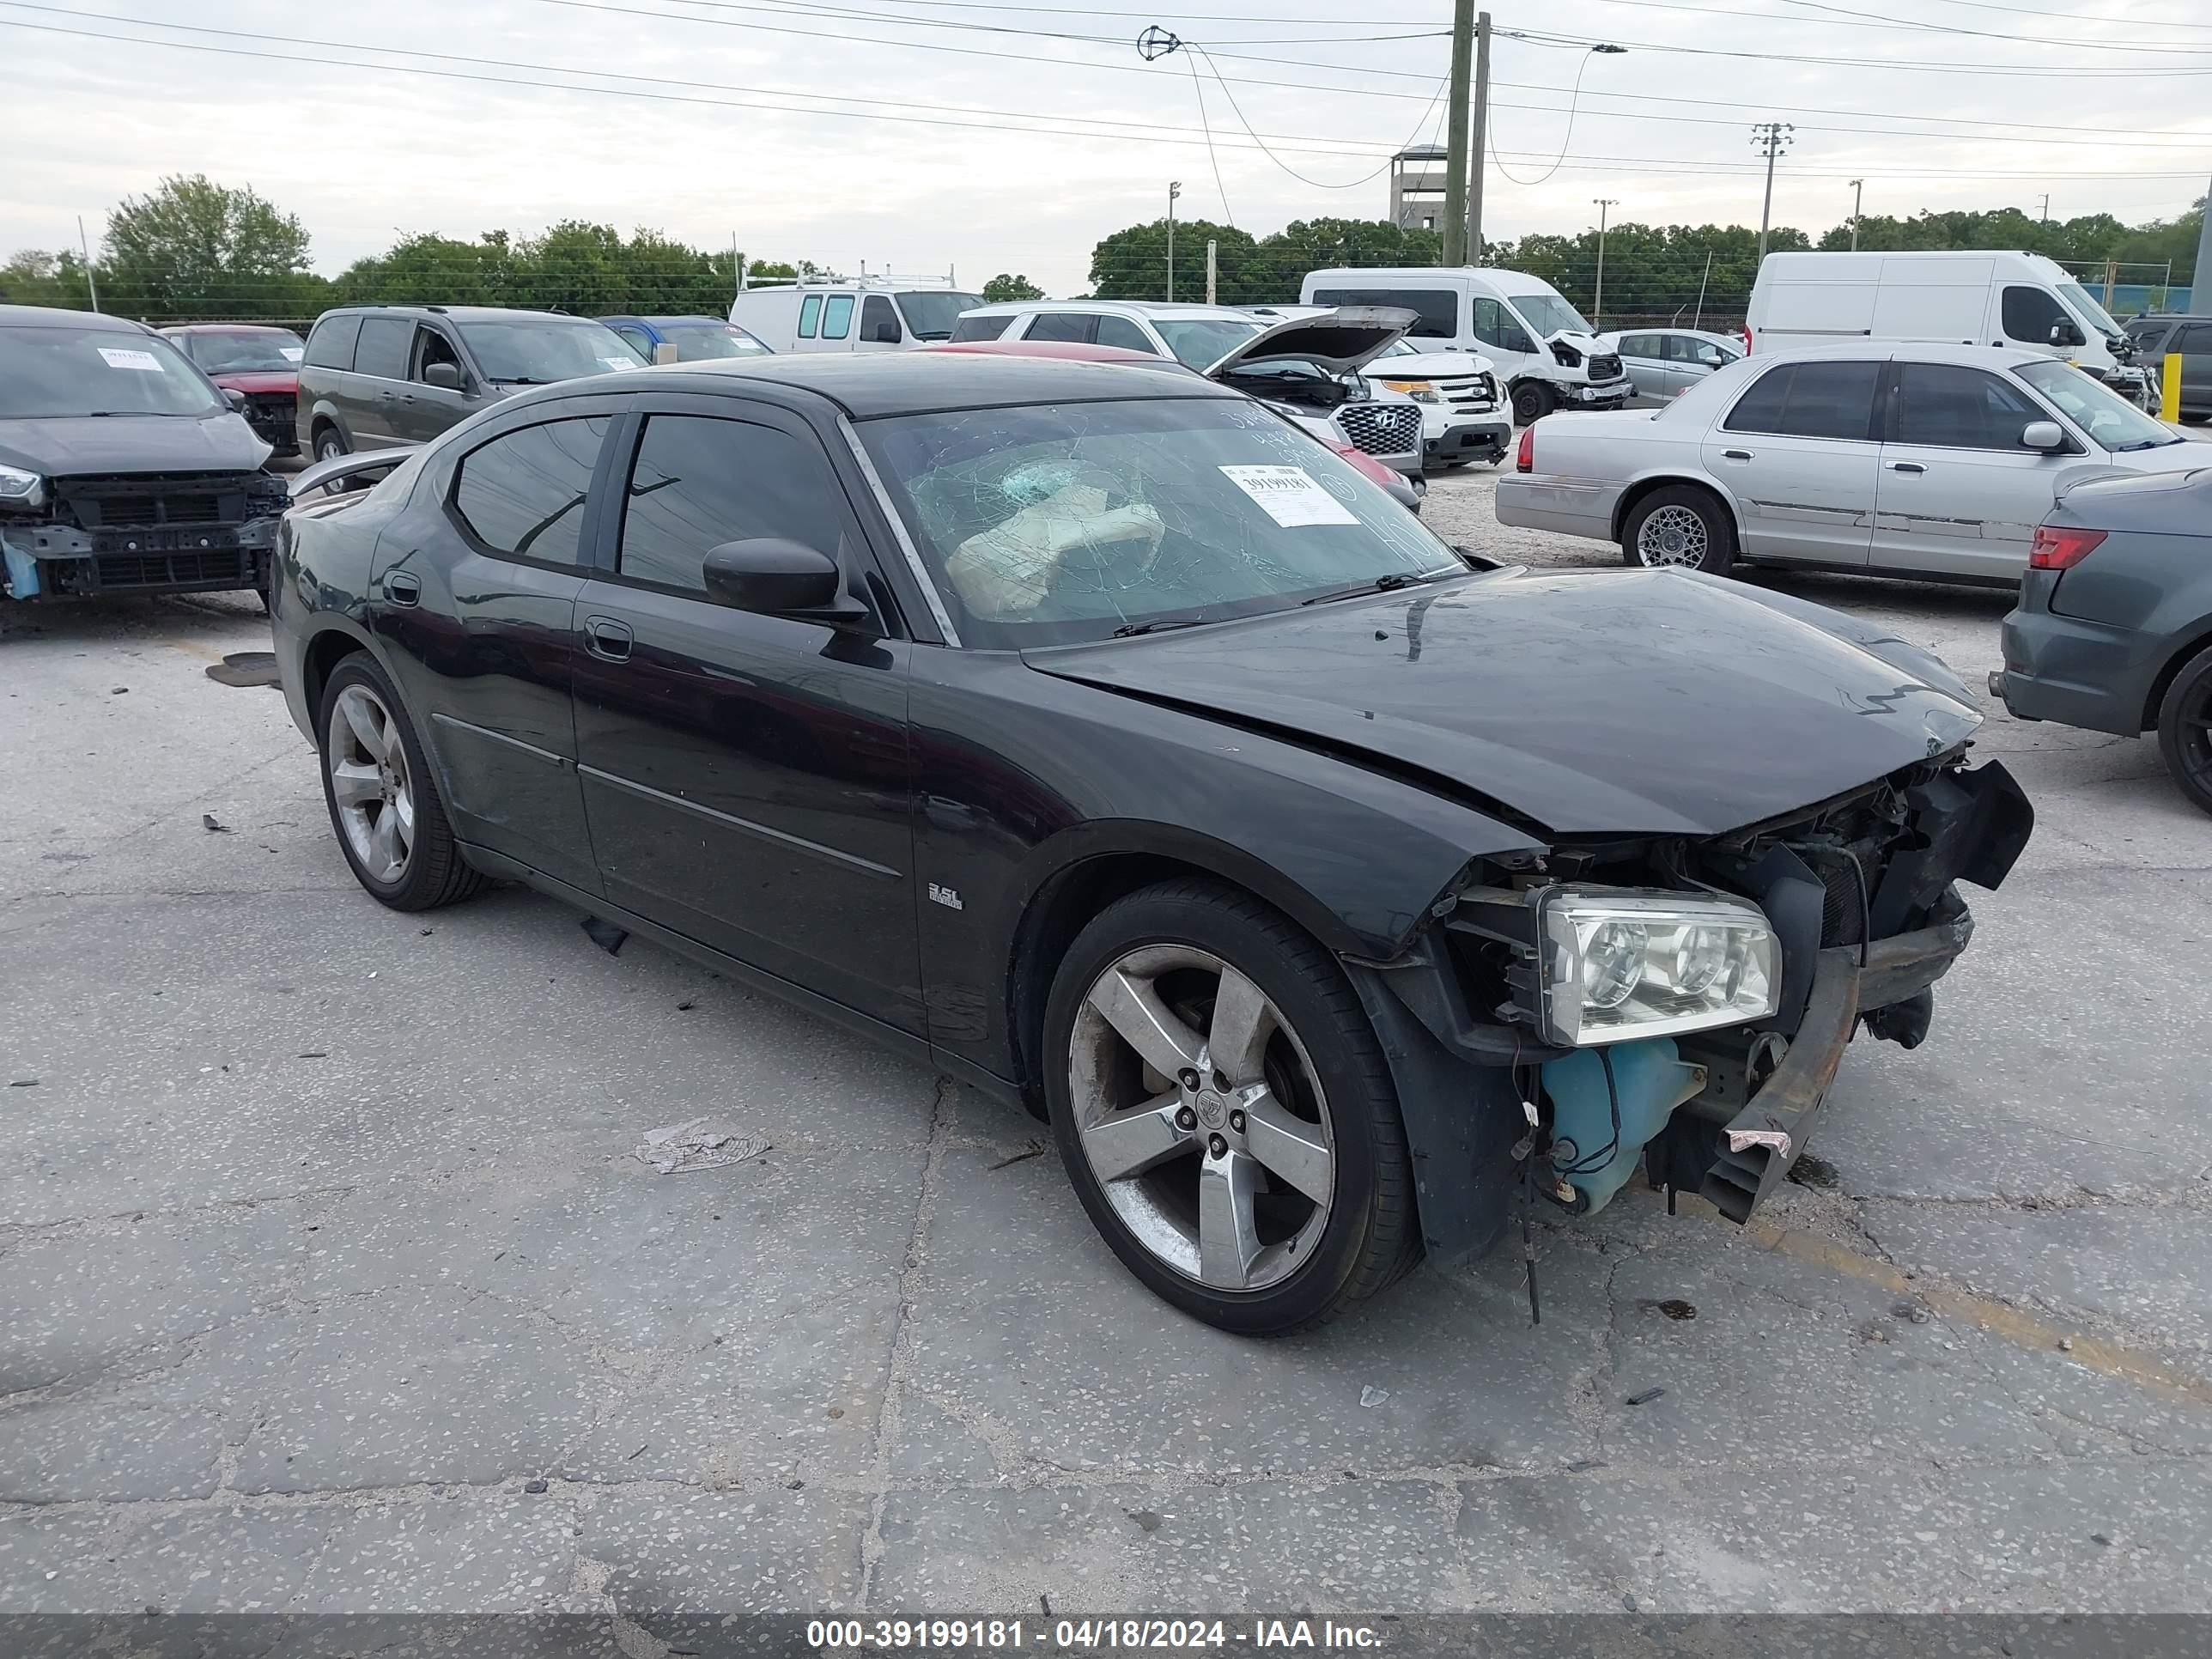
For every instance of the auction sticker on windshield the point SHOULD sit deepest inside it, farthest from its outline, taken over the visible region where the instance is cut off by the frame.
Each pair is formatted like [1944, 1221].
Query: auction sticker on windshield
[124, 357]
[293, 353]
[1290, 496]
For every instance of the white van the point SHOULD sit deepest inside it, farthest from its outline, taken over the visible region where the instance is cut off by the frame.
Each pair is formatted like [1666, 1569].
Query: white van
[1948, 298]
[1547, 354]
[852, 313]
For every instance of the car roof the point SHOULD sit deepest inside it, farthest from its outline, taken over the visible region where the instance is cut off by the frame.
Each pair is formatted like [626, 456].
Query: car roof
[225, 328]
[459, 314]
[870, 384]
[62, 316]
[1160, 308]
[1911, 352]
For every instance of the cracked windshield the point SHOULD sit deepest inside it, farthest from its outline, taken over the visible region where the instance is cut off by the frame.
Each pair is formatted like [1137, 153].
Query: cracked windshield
[1048, 525]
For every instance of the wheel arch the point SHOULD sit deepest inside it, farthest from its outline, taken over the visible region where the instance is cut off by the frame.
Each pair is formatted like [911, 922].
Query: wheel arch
[321, 654]
[2162, 682]
[1639, 489]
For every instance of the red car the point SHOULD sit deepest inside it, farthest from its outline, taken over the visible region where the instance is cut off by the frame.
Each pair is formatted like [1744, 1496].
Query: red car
[1396, 483]
[262, 364]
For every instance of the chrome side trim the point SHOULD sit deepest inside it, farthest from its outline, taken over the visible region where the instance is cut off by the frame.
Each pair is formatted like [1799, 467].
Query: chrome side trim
[730, 820]
[890, 512]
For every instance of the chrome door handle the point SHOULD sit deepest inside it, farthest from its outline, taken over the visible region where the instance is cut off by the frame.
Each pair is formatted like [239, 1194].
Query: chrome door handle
[403, 589]
[607, 639]
[1907, 466]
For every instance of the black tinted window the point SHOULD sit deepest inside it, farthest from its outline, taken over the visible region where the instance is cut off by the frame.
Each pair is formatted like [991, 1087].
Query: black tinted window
[432, 347]
[980, 328]
[1061, 325]
[875, 312]
[1436, 310]
[1809, 400]
[383, 347]
[1959, 407]
[1121, 331]
[522, 494]
[2191, 339]
[2030, 314]
[700, 482]
[331, 346]
[1495, 326]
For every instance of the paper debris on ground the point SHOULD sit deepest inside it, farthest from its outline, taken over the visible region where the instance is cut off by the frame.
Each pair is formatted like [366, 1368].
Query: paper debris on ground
[699, 1144]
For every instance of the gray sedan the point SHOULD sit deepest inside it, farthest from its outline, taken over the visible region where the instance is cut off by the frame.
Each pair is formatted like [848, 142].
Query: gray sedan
[1663, 363]
[2113, 630]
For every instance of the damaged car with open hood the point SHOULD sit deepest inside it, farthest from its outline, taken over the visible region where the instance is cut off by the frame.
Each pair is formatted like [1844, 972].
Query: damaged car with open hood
[1089, 735]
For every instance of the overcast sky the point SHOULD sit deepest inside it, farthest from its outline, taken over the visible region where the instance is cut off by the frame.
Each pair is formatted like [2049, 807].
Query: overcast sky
[361, 154]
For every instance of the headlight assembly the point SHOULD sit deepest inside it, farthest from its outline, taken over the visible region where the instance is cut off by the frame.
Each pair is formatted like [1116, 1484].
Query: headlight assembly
[1621, 962]
[21, 489]
[1421, 391]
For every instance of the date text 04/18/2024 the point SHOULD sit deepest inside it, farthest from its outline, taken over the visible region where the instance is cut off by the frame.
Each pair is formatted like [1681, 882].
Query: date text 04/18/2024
[1078, 1635]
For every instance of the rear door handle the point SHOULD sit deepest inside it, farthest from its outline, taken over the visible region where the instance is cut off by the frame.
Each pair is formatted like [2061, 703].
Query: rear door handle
[403, 589]
[1907, 466]
[607, 639]
[1735, 454]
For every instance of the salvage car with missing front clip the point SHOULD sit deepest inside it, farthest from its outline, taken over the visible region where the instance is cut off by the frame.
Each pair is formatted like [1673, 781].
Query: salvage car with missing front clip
[123, 469]
[1090, 736]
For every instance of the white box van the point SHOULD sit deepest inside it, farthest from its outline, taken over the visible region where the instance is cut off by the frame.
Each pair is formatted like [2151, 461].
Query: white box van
[852, 313]
[1547, 354]
[1948, 298]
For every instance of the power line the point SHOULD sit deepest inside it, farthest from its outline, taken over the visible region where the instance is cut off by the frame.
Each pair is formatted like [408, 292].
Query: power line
[817, 9]
[2081, 17]
[1317, 184]
[2144, 71]
[1876, 20]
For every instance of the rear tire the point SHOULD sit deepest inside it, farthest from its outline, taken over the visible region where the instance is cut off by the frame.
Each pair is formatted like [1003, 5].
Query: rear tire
[1532, 401]
[2185, 729]
[1271, 1203]
[1681, 527]
[383, 799]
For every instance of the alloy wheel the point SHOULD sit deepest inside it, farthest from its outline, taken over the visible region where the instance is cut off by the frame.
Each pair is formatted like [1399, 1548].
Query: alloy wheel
[1202, 1117]
[371, 783]
[2194, 736]
[1673, 536]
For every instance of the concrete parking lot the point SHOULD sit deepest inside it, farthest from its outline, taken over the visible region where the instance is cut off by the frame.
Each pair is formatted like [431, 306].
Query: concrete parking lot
[330, 1281]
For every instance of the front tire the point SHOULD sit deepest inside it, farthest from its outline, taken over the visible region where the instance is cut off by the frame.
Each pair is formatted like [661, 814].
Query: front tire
[1532, 401]
[1679, 527]
[2185, 729]
[383, 801]
[1224, 1112]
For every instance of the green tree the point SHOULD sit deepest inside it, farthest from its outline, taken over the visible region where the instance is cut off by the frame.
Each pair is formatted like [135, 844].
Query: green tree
[430, 269]
[1131, 264]
[1003, 288]
[194, 248]
[36, 277]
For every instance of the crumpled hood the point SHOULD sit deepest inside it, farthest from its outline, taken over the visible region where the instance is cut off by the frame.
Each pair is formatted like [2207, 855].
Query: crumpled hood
[1630, 702]
[220, 442]
[258, 380]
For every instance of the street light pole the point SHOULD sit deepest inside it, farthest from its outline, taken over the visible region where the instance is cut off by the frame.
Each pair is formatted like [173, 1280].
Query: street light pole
[1773, 137]
[1175, 188]
[1858, 194]
[1597, 301]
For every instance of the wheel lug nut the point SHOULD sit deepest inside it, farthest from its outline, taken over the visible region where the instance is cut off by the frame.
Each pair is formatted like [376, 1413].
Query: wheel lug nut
[1186, 1119]
[1216, 1145]
[1188, 1078]
[1237, 1121]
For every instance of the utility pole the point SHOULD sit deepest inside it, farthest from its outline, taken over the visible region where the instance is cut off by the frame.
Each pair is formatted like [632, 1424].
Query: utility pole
[1213, 269]
[1597, 301]
[1698, 321]
[1462, 51]
[1175, 188]
[1858, 195]
[2046, 207]
[2200, 297]
[1478, 150]
[85, 242]
[1773, 137]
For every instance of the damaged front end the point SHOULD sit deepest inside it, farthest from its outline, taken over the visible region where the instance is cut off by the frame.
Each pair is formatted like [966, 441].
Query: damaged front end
[1686, 1004]
[149, 532]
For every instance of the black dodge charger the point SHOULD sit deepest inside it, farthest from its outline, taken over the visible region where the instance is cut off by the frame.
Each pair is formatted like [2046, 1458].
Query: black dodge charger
[1094, 736]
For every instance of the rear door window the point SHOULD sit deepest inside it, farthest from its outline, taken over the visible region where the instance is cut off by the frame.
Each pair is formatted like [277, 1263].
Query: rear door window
[837, 316]
[1075, 325]
[1809, 400]
[1121, 331]
[809, 315]
[2191, 340]
[522, 495]
[699, 481]
[1952, 407]
[331, 346]
[982, 328]
[383, 348]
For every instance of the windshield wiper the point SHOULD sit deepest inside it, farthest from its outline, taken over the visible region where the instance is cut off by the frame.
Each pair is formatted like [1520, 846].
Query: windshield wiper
[1388, 582]
[521, 380]
[1130, 631]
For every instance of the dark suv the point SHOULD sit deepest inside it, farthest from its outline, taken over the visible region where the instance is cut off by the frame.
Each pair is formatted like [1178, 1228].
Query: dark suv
[386, 377]
[2190, 337]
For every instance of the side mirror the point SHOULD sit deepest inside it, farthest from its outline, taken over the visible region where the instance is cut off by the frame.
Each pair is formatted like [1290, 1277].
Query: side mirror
[2063, 333]
[235, 397]
[886, 334]
[446, 377]
[2045, 435]
[775, 577]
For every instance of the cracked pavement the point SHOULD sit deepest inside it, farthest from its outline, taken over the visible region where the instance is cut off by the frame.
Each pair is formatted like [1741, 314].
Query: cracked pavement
[329, 1282]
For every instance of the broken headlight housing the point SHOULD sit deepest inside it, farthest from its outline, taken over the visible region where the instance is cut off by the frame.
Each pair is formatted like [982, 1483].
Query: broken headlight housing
[1421, 391]
[1621, 962]
[21, 489]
